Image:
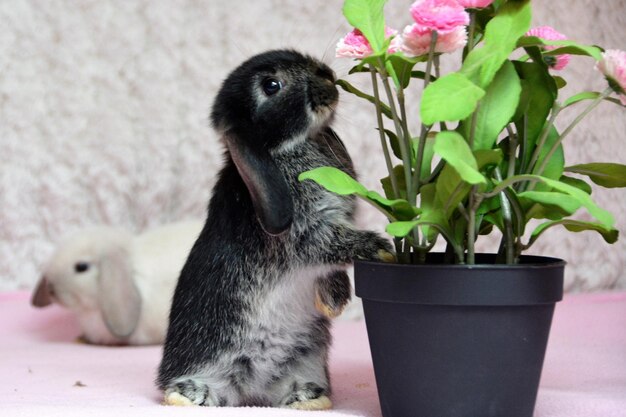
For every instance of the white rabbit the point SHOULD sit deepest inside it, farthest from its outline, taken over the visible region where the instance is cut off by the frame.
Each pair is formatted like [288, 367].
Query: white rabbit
[119, 286]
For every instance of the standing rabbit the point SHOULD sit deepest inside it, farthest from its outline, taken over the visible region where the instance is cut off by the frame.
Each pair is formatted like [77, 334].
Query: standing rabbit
[244, 327]
[118, 286]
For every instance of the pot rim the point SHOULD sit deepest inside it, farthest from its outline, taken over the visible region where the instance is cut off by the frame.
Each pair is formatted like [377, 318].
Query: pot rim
[529, 262]
[536, 280]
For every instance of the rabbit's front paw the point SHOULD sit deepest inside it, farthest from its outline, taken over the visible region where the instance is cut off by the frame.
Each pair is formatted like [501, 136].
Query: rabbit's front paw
[327, 308]
[372, 247]
[188, 392]
[332, 293]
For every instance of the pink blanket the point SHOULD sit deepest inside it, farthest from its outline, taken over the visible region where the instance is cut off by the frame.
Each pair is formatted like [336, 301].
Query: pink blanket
[43, 372]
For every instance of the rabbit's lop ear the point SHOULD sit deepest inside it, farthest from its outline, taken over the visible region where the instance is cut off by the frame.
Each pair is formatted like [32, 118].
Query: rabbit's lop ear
[120, 301]
[268, 189]
[41, 295]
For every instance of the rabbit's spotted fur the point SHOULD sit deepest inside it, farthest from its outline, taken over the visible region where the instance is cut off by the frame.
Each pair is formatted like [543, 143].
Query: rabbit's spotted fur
[244, 328]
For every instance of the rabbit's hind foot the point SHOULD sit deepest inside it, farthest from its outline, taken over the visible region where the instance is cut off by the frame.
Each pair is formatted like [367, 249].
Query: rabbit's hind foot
[309, 397]
[188, 392]
[319, 403]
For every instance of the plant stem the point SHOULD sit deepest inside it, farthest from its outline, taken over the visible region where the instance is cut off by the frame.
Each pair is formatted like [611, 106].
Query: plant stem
[474, 202]
[412, 191]
[472, 28]
[512, 151]
[508, 223]
[424, 129]
[473, 127]
[556, 108]
[381, 131]
[406, 139]
[442, 125]
[463, 212]
[406, 157]
[569, 128]
[435, 172]
[523, 146]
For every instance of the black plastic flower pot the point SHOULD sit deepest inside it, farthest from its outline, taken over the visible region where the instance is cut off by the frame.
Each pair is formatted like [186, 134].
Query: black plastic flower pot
[459, 340]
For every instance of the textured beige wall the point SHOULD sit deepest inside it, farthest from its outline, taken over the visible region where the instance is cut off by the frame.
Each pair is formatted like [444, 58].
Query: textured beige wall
[103, 115]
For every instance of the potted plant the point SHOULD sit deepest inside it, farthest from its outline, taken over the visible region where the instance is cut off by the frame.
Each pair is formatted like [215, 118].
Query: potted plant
[460, 333]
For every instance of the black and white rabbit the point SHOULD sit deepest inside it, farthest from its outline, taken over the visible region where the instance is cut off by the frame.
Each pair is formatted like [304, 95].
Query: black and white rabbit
[244, 328]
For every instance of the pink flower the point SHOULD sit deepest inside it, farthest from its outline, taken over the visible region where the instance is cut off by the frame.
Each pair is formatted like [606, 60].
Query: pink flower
[557, 62]
[613, 66]
[474, 4]
[396, 42]
[353, 45]
[356, 45]
[416, 40]
[441, 15]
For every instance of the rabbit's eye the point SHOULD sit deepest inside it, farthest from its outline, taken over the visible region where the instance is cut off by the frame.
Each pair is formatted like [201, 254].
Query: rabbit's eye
[271, 86]
[81, 267]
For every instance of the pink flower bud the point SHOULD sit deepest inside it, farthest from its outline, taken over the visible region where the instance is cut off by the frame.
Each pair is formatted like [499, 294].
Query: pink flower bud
[474, 4]
[440, 15]
[416, 40]
[550, 34]
[396, 42]
[613, 67]
[353, 45]
[356, 45]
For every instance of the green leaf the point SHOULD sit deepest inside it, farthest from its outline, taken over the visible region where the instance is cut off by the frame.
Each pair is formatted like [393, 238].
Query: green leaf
[559, 81]
[374, 61]
[575, 182]
[512, 21]
[393, 141]
[573, 48]
[431, 212]
[450, 98]
[384, 108]
[519, 220]
[450, 190]
[334, 180]
[501, 35]
[540, 93]
[401, 209]
[485, 157]
[429, 152]
[588, 95]
[401, 229]
[403, 67]
[607, 174]
[421, 75]
[610, 235]
[368, 17]
[497, 107]
[585, 200]
[565, 202]
[339, 182]
[563, 47]
[455, 151]
[398, 172]
[542, 211]
[554, 167]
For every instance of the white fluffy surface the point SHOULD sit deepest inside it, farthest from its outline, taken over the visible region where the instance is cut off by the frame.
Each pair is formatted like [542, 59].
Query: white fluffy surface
[103, 115]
